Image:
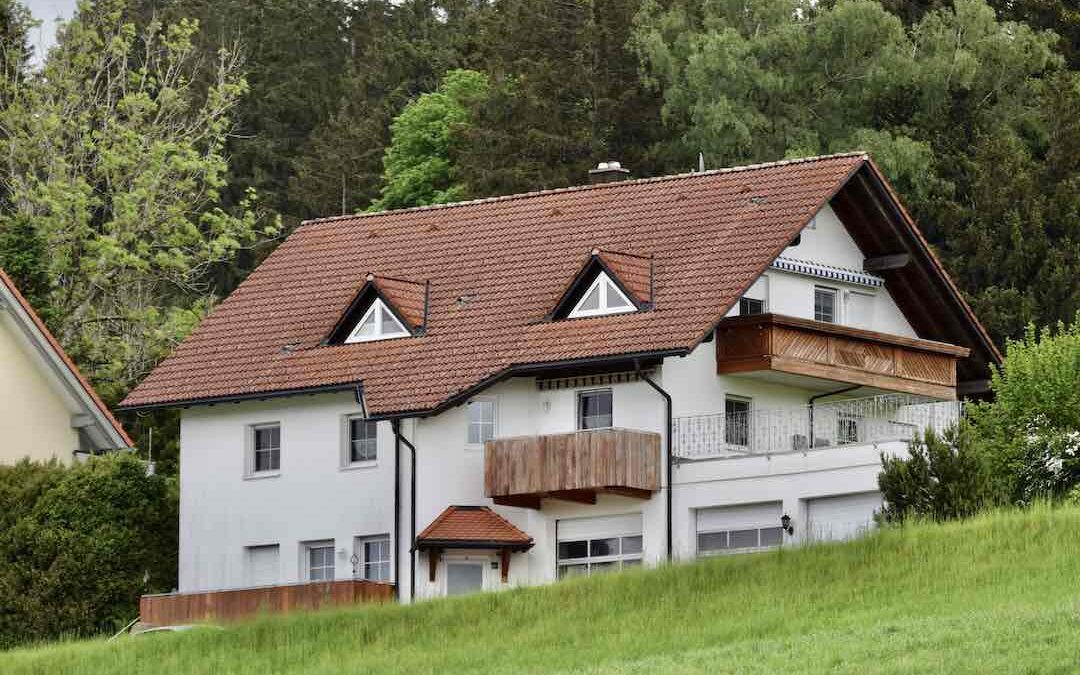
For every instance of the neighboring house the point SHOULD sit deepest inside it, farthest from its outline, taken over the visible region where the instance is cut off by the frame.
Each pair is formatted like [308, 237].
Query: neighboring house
[47, 408]
[512, 390]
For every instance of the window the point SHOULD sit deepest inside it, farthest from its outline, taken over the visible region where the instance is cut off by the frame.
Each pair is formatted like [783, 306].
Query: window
[363, 441]
[737, 541]
[265, 449]
[737, 421]
[602, 297]
[602, 554]
[481, 421]
[372, 558]
[594, 409]
[825, 304]
[378, 323]
[847, 428]
[261, 563]
[749, 306]
[319, 560]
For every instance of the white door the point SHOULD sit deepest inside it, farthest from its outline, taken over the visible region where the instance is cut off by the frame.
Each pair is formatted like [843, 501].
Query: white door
[739, 528]
[843, 517]
[464, 577]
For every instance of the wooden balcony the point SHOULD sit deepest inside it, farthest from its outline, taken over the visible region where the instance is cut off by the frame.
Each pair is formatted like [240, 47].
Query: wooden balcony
[573, 467]
[176, 609]
[783, 344]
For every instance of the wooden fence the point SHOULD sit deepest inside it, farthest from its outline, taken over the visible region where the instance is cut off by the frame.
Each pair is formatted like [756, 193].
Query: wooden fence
[172, 609]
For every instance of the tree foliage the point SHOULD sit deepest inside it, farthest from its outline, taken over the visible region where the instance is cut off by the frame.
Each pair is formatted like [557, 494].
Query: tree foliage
[81, 544]
[114, 156]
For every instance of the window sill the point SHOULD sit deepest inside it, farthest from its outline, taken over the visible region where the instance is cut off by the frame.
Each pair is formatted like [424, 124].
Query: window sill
[262, 474]
[359, 466]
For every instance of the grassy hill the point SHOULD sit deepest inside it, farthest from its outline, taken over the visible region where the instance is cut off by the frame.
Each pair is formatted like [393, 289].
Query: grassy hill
[998, 594]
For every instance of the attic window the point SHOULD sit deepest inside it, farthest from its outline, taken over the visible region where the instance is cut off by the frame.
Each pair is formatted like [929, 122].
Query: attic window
[378, 323]
[602, 297]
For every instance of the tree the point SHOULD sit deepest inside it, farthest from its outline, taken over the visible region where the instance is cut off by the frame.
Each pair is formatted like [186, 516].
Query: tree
[80, 545]
[417, 164]
[967, 114]
[115, 155]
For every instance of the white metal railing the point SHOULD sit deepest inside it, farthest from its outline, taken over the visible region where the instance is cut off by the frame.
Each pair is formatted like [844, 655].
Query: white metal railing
[889, 417]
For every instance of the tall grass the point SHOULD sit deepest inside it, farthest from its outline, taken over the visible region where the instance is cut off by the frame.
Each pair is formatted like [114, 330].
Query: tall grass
[994, 594]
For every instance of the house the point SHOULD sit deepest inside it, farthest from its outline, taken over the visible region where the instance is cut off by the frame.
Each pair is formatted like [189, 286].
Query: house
[513, 390]
[47, 408]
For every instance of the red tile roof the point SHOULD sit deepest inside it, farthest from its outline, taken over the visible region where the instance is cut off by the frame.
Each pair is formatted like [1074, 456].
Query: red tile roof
[407, 297]
[54, 345]
[497, 267]
[472, 526]
[633, 271]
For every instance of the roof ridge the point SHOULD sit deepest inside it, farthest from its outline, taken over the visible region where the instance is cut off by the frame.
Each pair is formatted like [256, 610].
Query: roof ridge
[599, 186]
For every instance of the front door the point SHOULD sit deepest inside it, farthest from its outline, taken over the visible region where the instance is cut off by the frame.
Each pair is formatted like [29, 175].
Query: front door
[464, 577]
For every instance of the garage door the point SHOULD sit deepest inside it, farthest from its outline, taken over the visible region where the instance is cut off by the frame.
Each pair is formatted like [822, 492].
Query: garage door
[841, 517]
[602, 544]
[739, 529]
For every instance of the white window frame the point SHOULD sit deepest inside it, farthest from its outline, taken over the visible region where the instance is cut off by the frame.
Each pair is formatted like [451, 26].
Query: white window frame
[749, 421]
[620, 559]
[347, 461]
[469, 421]
[306, 549]
[396, 330]
[249, 452]
[360, 571]
[604, 309]
[578, 409]
[837, 317]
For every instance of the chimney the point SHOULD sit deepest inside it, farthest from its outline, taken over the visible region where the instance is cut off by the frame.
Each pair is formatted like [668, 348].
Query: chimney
[607, 172]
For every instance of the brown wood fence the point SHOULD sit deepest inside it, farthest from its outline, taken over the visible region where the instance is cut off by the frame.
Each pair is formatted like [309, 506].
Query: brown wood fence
[172, 609]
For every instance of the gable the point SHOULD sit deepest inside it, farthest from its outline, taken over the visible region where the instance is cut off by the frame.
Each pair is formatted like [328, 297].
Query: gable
[383, 308]
[497, 267]
[610, 282]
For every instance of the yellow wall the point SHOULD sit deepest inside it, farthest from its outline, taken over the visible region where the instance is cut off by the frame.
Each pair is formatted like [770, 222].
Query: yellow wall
[34, 420]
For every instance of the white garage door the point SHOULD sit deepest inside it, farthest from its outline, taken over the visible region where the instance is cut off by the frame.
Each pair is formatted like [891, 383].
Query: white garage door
[740, 528]
[593, 545]
[841, 517]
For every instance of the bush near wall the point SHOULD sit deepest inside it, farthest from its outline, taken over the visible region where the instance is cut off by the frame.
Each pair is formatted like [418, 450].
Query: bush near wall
[80, 544]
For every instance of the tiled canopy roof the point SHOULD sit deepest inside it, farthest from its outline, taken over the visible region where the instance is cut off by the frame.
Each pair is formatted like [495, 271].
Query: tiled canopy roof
[472, 526]
[497, 267]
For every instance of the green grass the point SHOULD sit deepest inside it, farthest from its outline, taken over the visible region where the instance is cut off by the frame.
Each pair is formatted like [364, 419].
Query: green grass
[998, 594]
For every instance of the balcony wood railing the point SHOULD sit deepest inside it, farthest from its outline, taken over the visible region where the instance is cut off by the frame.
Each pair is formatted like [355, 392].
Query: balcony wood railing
[773, 342]
[575, 466]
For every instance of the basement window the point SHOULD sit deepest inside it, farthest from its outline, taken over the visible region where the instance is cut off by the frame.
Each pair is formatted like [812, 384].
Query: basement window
[603, 554]
[602, 297]
[372, 558]
[319, 560]
[378, 323]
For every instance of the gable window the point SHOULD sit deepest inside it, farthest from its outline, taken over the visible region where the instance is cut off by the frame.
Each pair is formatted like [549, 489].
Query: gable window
[265, 443]
[595, 409]
[749, 306]
[602, 297]
[319, 560]
[378, 323]
[362, 444]
[737, 421]
[481, 421]
[372, 558]
[825, 304]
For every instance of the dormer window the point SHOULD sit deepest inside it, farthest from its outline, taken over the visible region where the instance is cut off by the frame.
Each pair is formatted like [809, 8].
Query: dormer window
[602, 297]
[377, 324]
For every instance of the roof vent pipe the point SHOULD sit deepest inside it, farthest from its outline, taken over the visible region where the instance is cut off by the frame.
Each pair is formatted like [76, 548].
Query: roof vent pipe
[608, 172]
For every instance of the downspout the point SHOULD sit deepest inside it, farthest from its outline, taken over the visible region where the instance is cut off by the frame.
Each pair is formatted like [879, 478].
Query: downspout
[396, 424]
[816, 397]
[397, 511]
[667, 446]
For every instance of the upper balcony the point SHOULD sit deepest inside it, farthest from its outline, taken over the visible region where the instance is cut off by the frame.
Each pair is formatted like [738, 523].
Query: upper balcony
[765, 345]
[521, 471]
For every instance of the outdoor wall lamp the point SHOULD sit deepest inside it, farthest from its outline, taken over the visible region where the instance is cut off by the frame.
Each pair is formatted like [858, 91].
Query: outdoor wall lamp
[785, 524]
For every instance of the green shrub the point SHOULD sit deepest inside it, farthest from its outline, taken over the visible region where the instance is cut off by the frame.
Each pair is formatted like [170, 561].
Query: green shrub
[81, 544]
[943, 478]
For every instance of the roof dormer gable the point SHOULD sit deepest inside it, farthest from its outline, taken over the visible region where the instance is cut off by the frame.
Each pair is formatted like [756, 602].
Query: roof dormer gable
[383, 308]
[608, 283]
